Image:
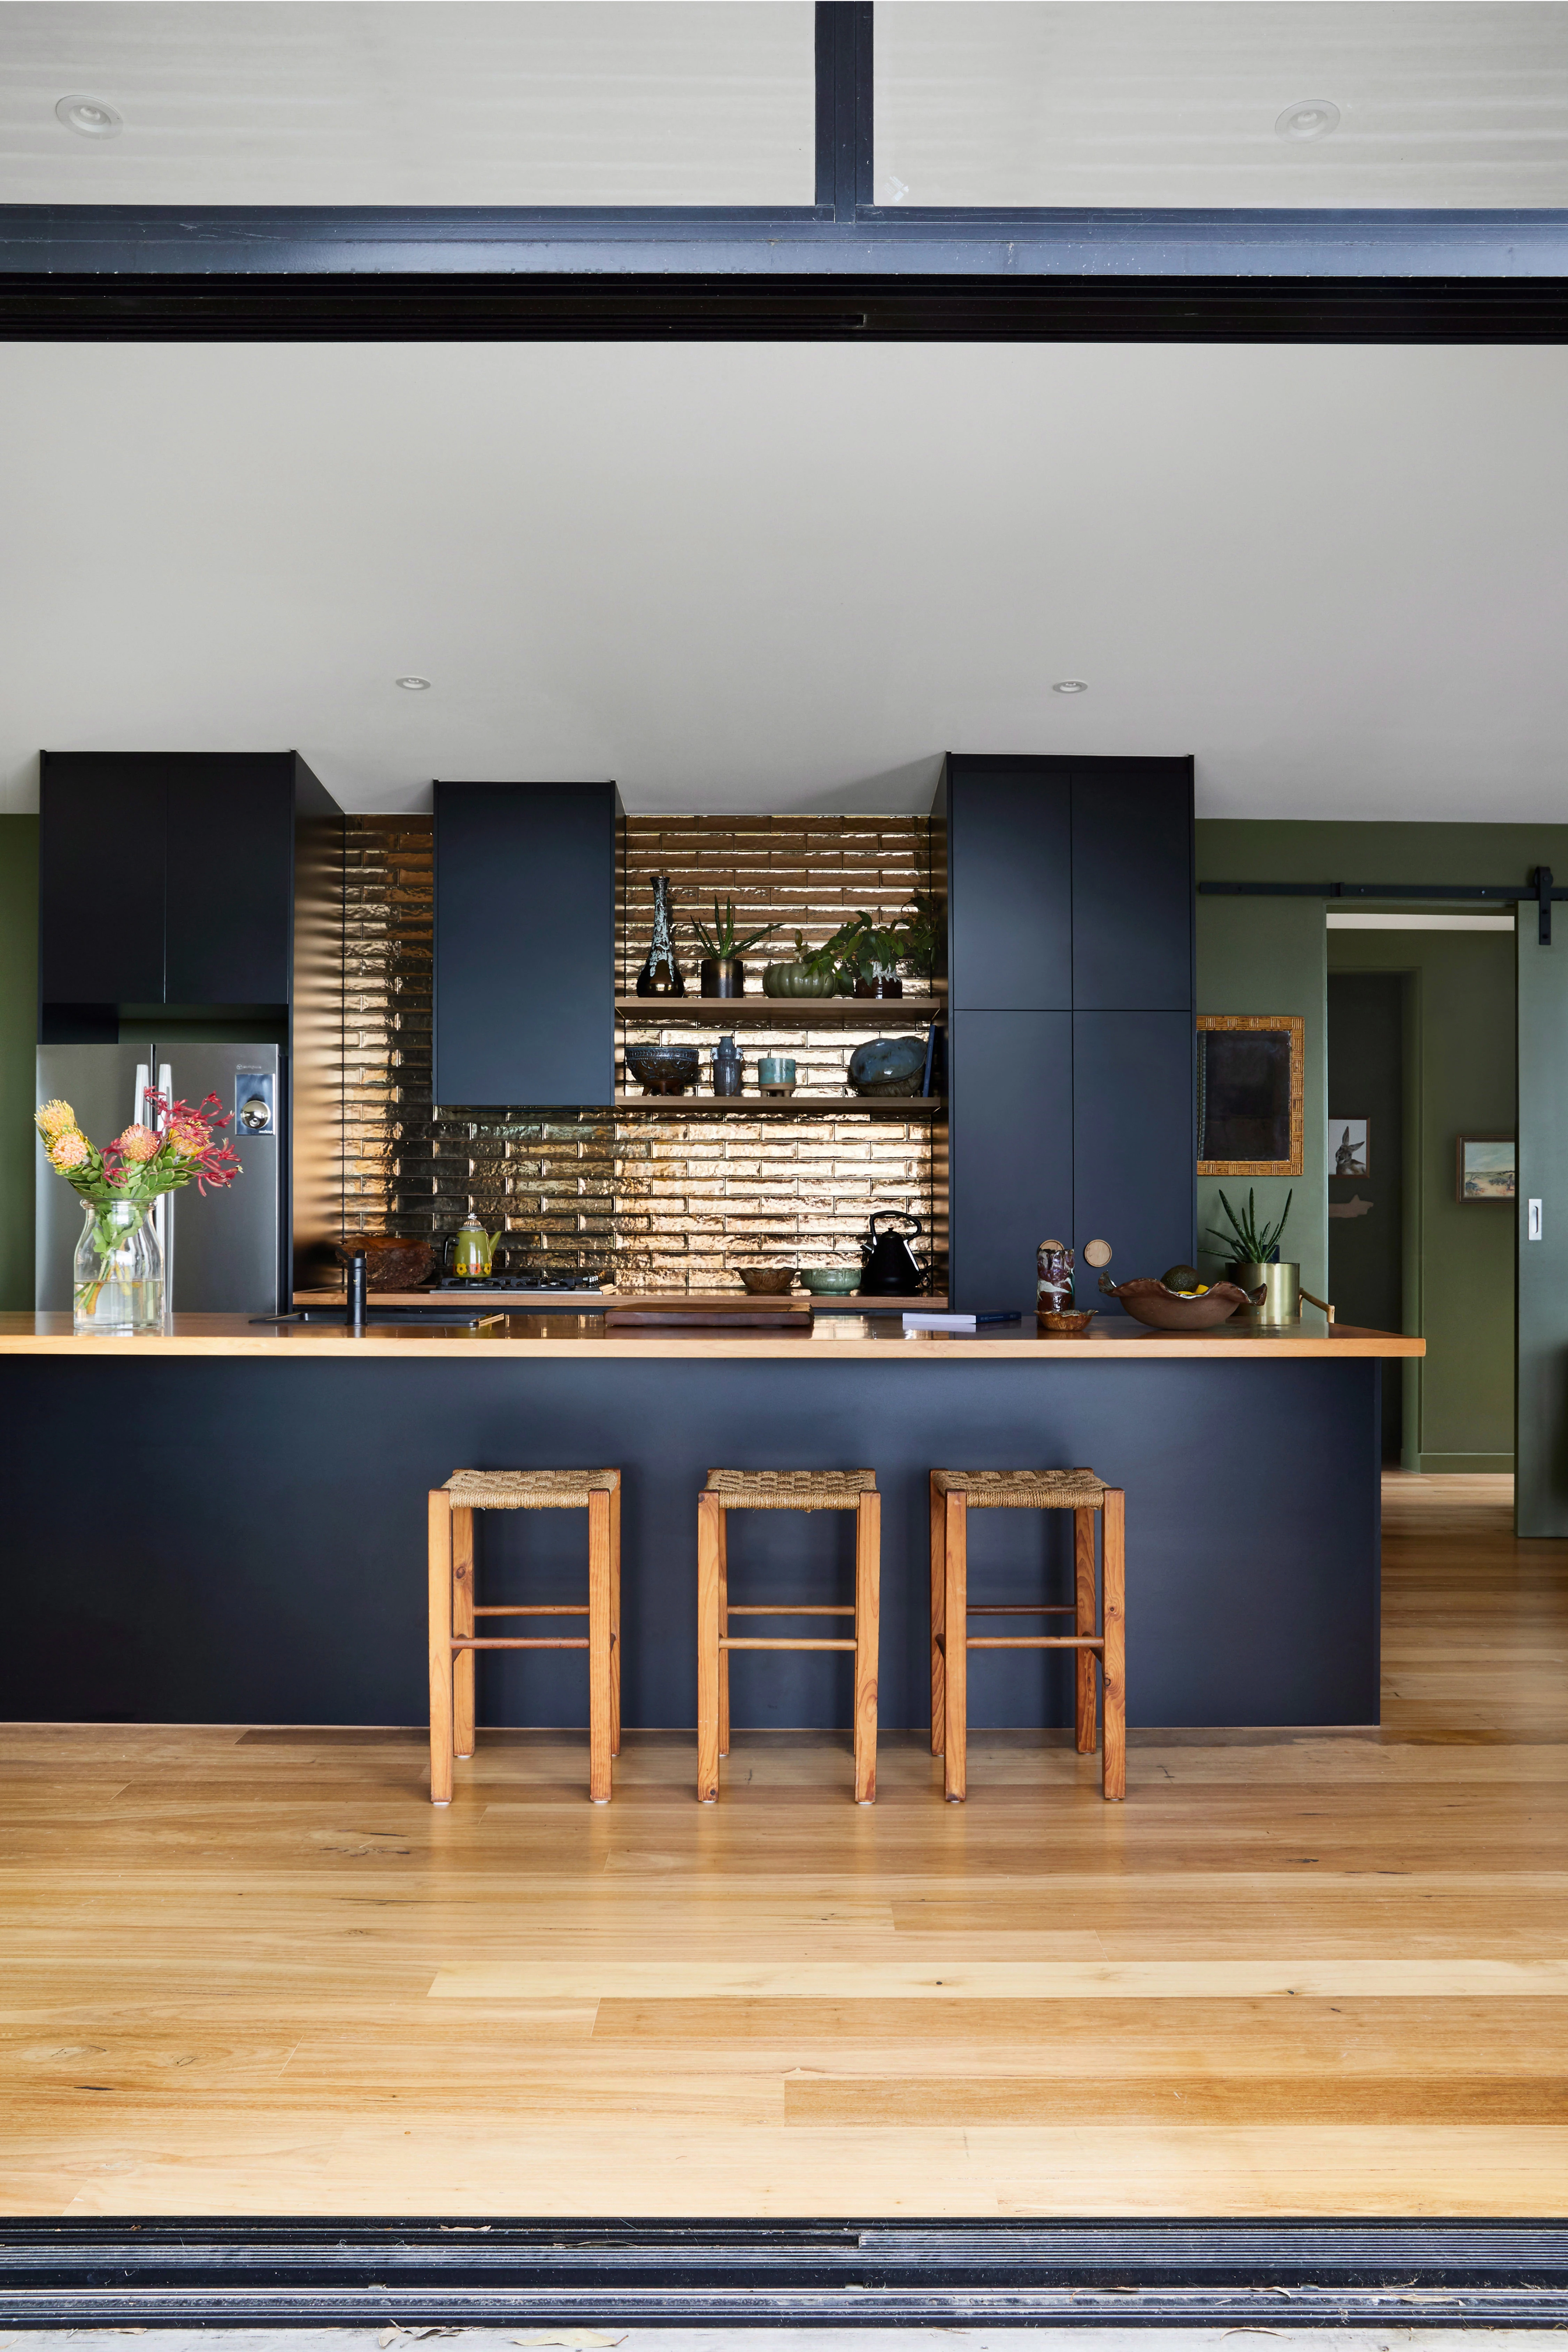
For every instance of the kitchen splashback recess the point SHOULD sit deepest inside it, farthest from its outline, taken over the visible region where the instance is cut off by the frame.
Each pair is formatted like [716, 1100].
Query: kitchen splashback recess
[673, 1201]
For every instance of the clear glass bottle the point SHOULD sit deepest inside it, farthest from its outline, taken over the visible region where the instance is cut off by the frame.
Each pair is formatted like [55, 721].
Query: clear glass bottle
[117, 1281]
[661, 974]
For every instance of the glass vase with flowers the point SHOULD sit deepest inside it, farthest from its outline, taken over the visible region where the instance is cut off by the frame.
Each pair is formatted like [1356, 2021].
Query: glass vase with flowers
[118, 1283]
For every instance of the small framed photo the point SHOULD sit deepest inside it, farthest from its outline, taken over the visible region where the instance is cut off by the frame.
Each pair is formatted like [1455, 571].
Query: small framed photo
[1486, 1169]
[1349, 1151]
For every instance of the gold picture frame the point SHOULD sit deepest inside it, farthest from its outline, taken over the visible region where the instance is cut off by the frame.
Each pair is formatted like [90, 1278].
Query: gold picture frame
[1257, 1093]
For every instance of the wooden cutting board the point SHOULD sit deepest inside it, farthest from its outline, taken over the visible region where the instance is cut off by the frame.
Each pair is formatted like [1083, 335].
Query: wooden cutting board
[709, 1310]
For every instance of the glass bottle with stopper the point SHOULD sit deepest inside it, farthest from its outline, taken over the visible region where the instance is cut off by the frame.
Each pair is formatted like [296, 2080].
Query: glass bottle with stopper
[661, 974]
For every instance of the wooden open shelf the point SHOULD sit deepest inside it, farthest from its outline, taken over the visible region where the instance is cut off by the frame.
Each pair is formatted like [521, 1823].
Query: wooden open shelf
[781, 1012]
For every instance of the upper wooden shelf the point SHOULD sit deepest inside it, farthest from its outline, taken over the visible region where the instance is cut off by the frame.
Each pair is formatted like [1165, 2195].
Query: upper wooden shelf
[784, 1011]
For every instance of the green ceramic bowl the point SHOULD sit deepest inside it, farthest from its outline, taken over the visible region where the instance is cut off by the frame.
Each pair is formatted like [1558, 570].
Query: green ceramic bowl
[831, 1281]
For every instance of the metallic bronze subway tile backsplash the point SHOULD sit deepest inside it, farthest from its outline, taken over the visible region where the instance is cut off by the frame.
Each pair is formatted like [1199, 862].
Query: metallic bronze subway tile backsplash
[668, 1200]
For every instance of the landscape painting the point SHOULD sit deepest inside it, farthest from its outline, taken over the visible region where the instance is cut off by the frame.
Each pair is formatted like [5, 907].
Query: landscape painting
[1486, 1168]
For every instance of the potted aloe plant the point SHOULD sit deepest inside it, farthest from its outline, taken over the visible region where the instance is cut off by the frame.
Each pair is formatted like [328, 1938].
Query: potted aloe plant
[118, 1279]
[1251, 1248]
[721, 972]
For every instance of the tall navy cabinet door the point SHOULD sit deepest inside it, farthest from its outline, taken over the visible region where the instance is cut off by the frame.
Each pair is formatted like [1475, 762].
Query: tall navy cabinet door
[1132, 885]
[1010, 849]
[100, 878]
[1133, 1177]
[231, 880]
[525, 943]
[1011, 1115]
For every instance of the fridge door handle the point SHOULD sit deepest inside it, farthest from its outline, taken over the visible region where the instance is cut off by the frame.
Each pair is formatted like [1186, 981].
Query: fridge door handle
[139, 1102]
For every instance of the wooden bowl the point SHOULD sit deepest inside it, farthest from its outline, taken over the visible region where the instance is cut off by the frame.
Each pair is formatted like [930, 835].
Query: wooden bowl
[1150, 1302]
[767, 1281]
[1070, 1326]
[396, 1261]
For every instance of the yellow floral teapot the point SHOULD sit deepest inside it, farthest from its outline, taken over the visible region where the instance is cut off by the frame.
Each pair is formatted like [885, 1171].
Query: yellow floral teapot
[470, 1250]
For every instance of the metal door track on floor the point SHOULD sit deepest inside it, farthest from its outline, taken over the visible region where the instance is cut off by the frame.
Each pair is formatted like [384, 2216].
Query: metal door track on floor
[1208, 2273]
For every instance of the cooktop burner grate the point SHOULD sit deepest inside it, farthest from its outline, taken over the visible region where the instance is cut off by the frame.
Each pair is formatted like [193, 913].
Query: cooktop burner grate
[519, 1282]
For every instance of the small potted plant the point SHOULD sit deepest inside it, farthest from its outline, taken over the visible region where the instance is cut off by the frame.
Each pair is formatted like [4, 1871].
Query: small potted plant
[117, 1282]
[868, 954]
[1251, 1250]
[721, 972]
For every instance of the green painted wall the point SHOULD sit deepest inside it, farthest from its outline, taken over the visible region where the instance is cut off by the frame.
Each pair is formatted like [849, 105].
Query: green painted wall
[1460, 1260]
[1462, 1400]
[18, 1047]
[1266, 955]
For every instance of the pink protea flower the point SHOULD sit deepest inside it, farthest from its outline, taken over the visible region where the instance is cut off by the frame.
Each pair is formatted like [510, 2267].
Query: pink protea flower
[137, 1144]
[69, 1150]
[193, 1135]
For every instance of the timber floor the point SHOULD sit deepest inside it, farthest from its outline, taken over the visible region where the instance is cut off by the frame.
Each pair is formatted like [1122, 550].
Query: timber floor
[254, 1972]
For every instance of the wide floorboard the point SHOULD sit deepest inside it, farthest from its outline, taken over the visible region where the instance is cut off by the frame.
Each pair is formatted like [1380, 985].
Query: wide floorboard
[254, 1972]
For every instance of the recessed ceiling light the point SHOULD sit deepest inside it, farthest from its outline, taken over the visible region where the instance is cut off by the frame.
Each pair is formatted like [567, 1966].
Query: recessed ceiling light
[1309, 118]
[413, 685]
[89, 118]
[1071, 685]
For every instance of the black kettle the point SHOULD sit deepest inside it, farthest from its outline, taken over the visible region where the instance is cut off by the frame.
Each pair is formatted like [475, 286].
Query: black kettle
[892, 1268]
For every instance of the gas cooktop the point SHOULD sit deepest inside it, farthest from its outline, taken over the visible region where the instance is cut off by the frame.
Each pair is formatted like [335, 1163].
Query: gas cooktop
[519, 1282]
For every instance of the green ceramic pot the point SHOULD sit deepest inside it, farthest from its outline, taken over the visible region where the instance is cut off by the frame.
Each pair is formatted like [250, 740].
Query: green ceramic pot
[795, 980]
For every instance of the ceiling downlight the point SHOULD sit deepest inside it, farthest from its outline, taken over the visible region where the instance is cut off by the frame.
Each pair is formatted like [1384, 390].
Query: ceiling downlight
[89, 118]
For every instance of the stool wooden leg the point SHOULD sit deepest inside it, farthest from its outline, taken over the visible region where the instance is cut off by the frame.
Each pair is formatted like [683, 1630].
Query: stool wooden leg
[710, 1540]
[868, 1622]
[939, 1599]
[1083, 1711]
[723, 1634]
[955, 1653]
[599, 1651]
[463, 1598]
[615, 1619]
[1113, 1580]
[439, 1648]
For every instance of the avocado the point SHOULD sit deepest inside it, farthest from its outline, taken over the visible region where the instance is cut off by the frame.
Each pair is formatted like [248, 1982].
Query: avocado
[1181, 1277]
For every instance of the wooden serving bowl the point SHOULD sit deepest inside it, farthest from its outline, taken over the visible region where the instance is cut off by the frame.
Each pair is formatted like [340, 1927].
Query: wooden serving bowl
[767, 1281]
[1069, 1325]
[1150, 1302]
[396, 1261]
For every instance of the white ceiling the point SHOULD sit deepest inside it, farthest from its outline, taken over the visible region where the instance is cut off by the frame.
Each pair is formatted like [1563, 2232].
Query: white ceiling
[790, 576]
[1441, 102]
[411, 102]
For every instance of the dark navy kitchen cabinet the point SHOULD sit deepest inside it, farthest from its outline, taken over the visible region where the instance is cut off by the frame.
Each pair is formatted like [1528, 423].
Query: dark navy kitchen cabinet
[1070, 901]
[175, 879]
[525, 943]
[1010, 869]
[100, 878]
[1011, 1146]
[1132, 885]
[1134, 1150]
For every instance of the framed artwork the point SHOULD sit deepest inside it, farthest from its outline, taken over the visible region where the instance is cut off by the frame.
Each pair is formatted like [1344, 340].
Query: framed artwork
[1486, 1169]
[1250, 1094]
[1349, 1154]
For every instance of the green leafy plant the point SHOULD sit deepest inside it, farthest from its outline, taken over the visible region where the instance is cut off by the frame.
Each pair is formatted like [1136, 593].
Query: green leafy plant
[1247, 1240]
[863, 947]
[721, 942]
[922, 934]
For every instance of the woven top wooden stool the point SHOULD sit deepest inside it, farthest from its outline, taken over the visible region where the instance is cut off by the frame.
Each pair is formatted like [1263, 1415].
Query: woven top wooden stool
[784, 1490]
[452, 1609]
[954, 1494]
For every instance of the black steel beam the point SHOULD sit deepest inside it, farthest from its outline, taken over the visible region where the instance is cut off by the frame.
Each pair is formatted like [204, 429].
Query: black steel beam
[216, 306]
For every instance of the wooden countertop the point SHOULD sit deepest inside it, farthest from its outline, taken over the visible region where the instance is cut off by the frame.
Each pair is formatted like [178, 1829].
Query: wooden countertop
[1111, 1340]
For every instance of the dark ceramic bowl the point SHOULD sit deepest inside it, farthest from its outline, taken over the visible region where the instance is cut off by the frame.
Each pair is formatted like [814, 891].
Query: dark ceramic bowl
[889, 1065]
[663, 1069]
[395, 1261]
[1149, 1302]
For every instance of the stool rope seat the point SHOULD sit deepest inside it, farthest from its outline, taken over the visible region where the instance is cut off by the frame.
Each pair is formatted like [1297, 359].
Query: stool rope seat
[784, 1490]
[954, 1494]
[454, 1609]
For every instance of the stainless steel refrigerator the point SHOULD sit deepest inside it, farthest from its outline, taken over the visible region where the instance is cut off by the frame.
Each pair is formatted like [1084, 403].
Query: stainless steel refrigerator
[226, 1249]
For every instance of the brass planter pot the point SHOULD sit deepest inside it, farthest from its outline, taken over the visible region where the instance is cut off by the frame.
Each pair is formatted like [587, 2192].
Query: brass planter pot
[1282, 1284]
